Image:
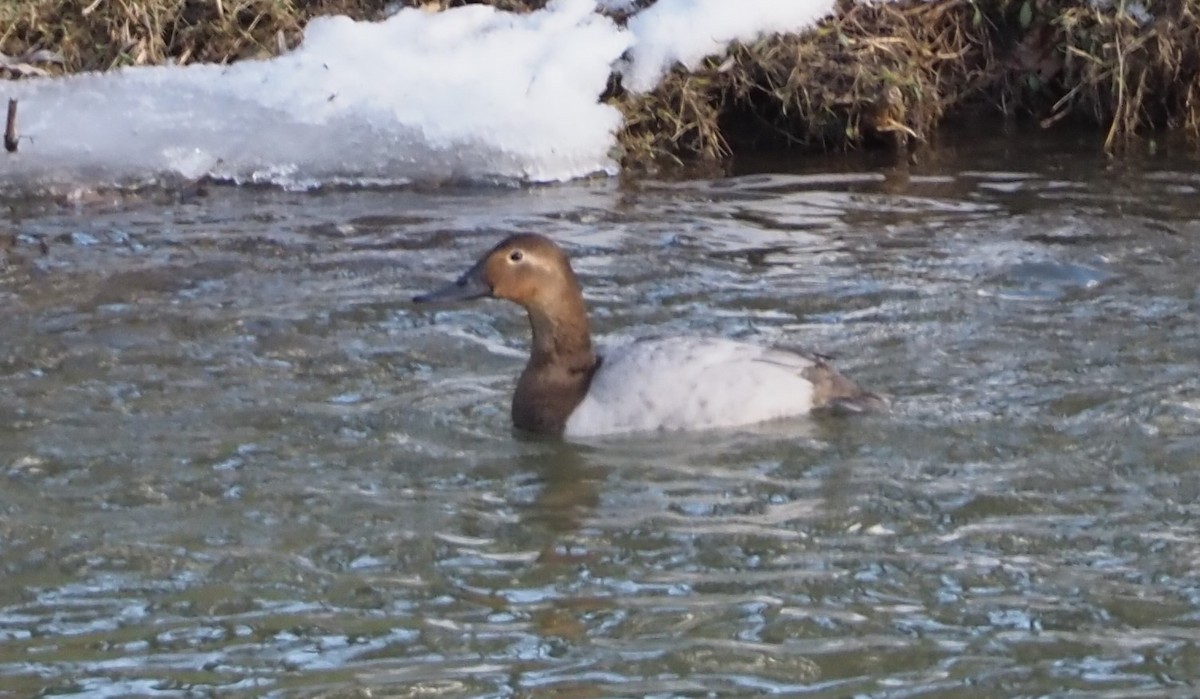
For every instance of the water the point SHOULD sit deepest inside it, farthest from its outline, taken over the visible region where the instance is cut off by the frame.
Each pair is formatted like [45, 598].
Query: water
[236, 461]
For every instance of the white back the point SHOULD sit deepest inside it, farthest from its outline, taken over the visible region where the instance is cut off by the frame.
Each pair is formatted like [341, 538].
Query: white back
[688, 383]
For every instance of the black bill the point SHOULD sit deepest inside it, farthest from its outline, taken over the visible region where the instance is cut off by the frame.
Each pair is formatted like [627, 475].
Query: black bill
[467, 287]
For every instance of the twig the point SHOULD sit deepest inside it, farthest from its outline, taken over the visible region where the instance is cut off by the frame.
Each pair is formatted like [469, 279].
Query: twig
[10, 127]
[91, 8]
[1119, 111]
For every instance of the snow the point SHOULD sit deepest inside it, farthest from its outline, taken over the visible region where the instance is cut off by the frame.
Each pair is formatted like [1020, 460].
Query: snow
[467, 94]
[685, 31]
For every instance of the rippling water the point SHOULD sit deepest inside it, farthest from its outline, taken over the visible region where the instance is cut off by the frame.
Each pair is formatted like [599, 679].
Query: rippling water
[237, 461]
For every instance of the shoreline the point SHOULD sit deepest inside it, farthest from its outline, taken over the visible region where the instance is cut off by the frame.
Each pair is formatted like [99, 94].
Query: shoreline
[883, 75]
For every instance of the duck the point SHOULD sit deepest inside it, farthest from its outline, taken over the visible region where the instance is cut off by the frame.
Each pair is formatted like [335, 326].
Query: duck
[571, 388]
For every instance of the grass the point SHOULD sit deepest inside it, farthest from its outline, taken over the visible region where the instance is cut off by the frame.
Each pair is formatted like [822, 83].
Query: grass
[889, 73]
[107, 34]
[873, 74]
[1127, 73]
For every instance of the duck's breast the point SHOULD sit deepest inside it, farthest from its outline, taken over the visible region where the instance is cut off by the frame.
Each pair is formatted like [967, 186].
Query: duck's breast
[690, 383]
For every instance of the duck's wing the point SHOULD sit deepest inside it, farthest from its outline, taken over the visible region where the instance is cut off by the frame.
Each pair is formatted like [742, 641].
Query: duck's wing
[692, 383]
[831, 389]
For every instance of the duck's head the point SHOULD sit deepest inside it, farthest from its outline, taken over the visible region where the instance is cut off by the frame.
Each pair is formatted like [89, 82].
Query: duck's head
[528, 269]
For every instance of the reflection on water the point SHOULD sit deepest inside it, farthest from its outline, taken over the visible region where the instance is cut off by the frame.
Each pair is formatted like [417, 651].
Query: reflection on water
[236, 460]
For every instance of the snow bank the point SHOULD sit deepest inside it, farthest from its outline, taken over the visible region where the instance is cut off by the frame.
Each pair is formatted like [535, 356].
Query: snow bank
[470, 93]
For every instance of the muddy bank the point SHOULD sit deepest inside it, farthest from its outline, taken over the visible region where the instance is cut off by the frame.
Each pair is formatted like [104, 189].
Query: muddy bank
[871, 75]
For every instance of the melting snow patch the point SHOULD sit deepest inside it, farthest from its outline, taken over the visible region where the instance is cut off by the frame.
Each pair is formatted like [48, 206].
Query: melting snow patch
[470, 93]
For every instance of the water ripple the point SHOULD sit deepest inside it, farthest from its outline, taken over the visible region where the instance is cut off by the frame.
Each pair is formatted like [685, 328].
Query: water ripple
[237, 461]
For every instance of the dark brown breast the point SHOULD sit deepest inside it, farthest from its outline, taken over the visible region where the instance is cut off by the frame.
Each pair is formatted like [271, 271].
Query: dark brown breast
[547, 394]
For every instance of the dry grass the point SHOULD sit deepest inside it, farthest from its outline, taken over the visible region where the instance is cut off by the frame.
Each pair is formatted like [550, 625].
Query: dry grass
[1128, 71]
[681, 120]
[106, 34]
[889, 73]
[885, 71]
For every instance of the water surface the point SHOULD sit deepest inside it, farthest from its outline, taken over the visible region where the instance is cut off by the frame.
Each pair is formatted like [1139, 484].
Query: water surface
[237, 461]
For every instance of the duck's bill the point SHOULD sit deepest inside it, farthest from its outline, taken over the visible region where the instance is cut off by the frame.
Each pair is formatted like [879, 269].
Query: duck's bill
[467, 287]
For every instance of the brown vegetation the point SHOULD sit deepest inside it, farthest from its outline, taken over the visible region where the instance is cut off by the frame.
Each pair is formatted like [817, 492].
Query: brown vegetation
[106, 34]
[873, 73]
[891, 72]
[1130, 72]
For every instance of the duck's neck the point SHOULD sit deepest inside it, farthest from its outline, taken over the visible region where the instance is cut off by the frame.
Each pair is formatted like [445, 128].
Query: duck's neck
[559, 338]
[560, 367]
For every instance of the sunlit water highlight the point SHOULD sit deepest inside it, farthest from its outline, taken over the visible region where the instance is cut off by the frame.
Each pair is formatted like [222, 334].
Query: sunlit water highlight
[236, 460]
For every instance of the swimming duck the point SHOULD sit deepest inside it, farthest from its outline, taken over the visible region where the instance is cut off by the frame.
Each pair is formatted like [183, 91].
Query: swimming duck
[570, 388]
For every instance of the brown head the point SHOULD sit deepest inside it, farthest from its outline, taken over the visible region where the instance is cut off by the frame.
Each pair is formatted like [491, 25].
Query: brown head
[527, 269]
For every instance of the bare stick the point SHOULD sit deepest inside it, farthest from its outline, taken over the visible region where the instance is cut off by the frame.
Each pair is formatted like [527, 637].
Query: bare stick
[10, 128]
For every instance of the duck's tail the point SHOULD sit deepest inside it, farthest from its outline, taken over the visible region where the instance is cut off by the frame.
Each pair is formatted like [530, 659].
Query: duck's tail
[863, 402]
[836, 393]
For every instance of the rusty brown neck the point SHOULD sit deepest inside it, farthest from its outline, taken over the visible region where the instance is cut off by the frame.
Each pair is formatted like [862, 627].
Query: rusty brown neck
[560, 367]
[560, 338]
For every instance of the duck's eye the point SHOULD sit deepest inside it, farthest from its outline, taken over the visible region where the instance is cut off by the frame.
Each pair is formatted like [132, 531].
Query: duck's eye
[516, 255]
